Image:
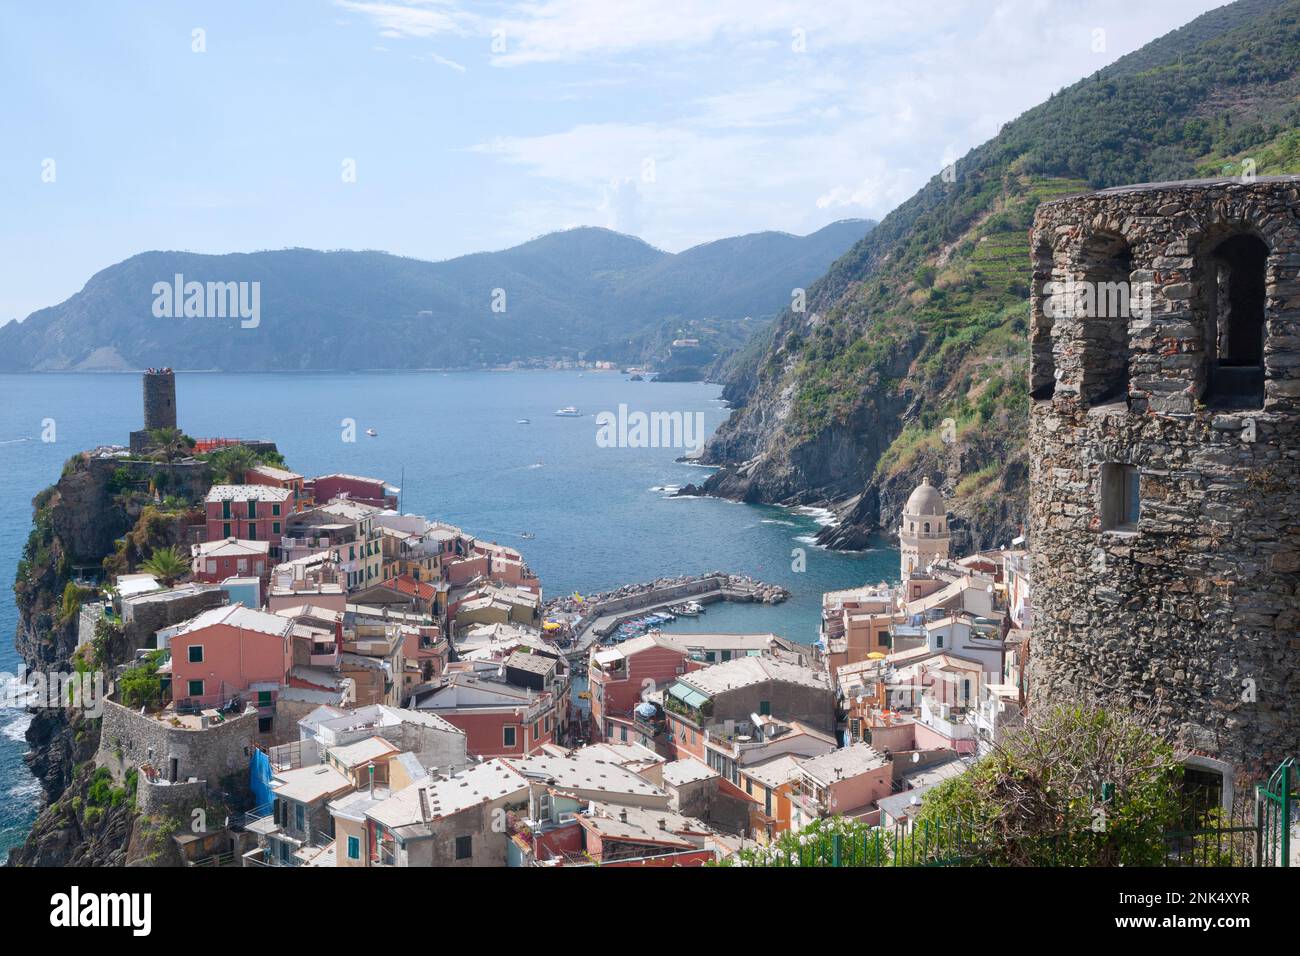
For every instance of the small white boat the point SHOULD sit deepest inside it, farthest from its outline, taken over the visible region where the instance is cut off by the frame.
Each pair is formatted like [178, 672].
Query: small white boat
[523, 421]
[371, 432]
[568, 411]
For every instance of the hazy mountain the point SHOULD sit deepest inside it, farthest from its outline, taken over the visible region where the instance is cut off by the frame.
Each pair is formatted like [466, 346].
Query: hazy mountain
[590, 291]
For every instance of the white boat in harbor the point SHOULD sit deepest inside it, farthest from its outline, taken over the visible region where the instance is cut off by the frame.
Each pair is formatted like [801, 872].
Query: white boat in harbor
[568, 411]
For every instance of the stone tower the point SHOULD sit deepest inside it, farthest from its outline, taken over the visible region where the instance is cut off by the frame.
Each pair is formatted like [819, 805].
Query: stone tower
[1164, 491]
[159, 399]
[923, 537]
[159, 407]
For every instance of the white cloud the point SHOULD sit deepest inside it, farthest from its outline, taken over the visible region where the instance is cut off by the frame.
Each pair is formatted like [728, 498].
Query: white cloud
[749, 129]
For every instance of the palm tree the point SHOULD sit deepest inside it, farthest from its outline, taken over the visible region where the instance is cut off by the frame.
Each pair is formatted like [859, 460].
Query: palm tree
[169, 444]
[229, 465]
[166, 564]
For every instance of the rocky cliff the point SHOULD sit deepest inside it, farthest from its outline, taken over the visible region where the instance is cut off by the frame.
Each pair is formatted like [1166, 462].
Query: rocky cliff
[102, 511]
[910, 358]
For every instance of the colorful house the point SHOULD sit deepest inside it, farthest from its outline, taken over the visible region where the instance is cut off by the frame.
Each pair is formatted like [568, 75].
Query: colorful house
[248, 513]
[356, 488]
[228, 652]
[280, 478]
[214, 561]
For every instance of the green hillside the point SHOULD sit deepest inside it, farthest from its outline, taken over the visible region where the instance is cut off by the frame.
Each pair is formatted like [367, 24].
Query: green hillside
[925, 319]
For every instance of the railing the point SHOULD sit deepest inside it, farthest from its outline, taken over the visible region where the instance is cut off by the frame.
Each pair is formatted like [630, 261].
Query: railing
[1276, 809]
[225, 858]
[241, 821]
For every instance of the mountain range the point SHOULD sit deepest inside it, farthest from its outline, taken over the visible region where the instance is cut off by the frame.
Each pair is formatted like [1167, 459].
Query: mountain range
[581, 292]
[924, 321]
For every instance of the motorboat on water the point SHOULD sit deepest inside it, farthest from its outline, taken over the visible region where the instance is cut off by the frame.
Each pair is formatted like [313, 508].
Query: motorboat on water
[568, 411]
[371, 432]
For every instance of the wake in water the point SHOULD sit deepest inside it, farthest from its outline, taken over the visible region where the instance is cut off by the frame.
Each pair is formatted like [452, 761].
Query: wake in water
[14, 441]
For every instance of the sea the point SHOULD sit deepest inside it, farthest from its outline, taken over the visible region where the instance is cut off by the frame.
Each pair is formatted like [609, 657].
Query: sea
[483, 450]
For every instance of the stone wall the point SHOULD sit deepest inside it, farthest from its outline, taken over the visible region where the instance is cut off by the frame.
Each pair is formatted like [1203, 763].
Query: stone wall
[1194, 609]
[173, 799]
[129, 739]
[142, 619]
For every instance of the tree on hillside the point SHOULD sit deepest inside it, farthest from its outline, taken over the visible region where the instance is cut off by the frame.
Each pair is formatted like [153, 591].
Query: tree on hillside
[166, 564]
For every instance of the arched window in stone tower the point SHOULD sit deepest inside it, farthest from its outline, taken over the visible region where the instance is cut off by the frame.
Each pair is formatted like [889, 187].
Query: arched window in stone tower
[1042, 360]
[1234, 328]
[1103, 305]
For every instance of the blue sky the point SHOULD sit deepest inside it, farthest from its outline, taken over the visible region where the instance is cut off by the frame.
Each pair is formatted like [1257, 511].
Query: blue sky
[476, 126]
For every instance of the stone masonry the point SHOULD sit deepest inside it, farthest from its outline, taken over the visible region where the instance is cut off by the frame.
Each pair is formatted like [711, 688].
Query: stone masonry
[1165, 494]
[129, 739]
[159, 400]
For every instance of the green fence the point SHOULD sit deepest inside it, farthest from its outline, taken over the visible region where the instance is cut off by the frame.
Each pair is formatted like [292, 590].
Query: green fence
[1276, 812]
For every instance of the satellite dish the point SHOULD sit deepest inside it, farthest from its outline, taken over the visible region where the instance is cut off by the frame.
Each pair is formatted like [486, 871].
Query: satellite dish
[916, 757]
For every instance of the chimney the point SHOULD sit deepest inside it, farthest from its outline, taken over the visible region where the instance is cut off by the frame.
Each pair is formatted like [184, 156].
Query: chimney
[622, 815]
[424, 804]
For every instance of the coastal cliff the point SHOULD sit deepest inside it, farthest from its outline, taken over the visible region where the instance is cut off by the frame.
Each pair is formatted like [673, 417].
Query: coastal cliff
[103, 512]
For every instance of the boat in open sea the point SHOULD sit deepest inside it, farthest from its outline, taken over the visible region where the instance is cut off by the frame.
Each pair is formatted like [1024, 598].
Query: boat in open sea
[568, 411]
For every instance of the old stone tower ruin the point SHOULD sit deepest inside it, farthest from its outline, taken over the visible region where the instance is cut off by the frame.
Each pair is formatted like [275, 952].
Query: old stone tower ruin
[159, 406]
[1165, 492]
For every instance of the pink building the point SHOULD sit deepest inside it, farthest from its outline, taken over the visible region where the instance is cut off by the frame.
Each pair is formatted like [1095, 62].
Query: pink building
[231, 651]
[356, 488]
[215, 561]
[279, 478]
[248, 512]
[845, 782]
[617, 677]
[499, 719]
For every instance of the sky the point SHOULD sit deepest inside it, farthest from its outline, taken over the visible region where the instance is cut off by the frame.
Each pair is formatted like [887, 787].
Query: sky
[436, 128]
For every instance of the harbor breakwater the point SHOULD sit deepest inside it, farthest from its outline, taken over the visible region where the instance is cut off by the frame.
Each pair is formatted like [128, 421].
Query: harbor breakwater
[599, 615]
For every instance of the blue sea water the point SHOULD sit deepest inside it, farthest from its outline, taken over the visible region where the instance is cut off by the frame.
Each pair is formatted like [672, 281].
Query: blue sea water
[453, 441]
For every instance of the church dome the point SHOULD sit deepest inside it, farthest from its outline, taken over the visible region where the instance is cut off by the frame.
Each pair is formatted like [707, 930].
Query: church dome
[925, 500]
